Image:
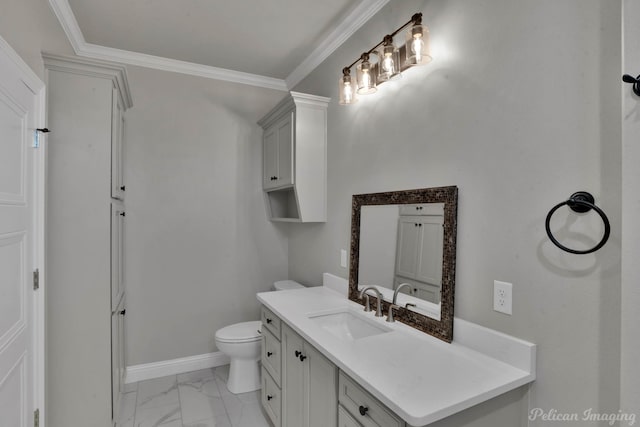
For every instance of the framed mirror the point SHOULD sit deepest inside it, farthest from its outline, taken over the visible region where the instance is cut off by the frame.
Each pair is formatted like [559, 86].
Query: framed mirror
[404, 243]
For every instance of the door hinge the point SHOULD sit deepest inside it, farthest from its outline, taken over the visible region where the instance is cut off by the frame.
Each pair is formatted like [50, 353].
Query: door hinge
[36, 418]
[36, 279]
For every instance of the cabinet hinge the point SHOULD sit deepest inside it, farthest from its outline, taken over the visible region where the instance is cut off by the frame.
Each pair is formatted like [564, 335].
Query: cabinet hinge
[36, 279]
[36, 418]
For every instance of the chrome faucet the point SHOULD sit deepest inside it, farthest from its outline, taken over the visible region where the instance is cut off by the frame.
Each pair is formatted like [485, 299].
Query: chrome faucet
[378, 296]
[393, 303]
[397, 291]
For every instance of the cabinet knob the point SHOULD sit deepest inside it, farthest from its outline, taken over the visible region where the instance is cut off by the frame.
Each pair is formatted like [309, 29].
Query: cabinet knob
[269, 397]
[122, 188]
[363, 410]
[122, 214]
[302, 357]
[269, 353]
[269, 320]
[123, 312]
[298, 353]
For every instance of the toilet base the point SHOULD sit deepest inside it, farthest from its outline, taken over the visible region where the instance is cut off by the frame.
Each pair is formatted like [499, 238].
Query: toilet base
[244, 376]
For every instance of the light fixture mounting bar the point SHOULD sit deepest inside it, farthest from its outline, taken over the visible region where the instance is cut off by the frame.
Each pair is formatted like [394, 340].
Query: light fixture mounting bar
[416, 19]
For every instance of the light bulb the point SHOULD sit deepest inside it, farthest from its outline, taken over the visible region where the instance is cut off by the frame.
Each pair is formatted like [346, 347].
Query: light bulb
[347, 93]
[416, 47]
[387, 63]
[366, 80]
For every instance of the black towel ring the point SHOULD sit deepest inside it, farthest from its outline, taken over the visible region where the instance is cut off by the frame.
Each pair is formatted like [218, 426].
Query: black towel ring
[580, 202]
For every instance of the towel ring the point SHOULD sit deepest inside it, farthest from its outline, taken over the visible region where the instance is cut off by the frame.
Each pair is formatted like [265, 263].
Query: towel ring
[580, 202]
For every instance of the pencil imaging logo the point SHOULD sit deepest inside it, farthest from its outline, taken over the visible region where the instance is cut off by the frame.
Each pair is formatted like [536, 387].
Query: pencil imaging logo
[588, 415]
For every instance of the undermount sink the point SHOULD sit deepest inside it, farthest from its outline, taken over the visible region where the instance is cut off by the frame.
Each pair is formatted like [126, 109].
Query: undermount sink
[348, 326]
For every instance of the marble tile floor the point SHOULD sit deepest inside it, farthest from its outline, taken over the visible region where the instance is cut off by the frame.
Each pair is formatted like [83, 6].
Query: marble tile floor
[194, 399]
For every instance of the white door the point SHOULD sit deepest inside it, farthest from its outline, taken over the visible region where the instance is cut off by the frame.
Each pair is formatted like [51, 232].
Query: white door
[19, 91]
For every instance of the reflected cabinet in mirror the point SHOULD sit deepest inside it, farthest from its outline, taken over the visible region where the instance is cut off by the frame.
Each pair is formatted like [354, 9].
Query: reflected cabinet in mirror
[404, 243]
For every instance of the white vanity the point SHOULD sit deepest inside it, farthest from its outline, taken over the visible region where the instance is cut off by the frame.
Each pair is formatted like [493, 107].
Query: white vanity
[326, 363]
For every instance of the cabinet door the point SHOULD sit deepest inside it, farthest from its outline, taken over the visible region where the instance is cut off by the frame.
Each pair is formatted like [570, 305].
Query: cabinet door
[117, 358]
[270, 158]
[322, 385]
[285, 150]
[117, 254]
[408, 241]
[293, 410]
[117, 142]
[429, 268]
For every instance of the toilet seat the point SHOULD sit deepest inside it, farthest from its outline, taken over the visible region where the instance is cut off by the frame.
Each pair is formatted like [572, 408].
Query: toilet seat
[240, 332]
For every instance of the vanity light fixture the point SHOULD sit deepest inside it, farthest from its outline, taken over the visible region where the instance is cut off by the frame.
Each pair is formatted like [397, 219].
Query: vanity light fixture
[391, 61]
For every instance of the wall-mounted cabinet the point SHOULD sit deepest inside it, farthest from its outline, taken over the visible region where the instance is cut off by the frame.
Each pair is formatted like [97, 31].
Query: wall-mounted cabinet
[295, 159]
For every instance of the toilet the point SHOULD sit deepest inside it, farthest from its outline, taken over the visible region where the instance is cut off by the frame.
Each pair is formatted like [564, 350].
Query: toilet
[242, 342]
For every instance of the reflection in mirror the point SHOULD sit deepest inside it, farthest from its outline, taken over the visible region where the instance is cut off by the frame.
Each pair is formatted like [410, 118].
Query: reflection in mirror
[402, 244]
[406, 240]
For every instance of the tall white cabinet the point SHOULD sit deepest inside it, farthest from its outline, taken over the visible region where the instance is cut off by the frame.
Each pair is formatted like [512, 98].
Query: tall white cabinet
[85, 303]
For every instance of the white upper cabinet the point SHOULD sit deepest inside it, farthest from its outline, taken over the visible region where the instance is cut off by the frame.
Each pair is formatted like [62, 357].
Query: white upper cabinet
[295, 159]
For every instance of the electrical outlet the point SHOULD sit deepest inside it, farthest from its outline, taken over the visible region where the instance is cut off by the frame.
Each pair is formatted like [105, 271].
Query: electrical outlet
[343, 258]
[502, 297]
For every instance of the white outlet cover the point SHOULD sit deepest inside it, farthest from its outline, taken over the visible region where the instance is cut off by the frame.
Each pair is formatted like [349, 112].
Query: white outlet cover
[343, 258]
[502, 297]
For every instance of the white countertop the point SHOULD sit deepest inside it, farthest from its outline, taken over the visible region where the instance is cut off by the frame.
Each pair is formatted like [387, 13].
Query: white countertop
[417, 376]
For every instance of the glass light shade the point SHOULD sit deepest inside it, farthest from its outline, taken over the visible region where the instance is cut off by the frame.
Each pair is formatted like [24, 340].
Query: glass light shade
[417, 45]
[389, 65]
[347, 90]
[366, 78]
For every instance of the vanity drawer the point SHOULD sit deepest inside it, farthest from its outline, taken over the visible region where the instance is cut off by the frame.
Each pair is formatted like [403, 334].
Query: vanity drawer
[271, 321]
[358, 402]
[271, 398]
[345, 419]
[271, 354]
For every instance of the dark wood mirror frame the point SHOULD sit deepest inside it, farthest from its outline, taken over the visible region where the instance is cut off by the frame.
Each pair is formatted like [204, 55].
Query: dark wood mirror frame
[442, 328]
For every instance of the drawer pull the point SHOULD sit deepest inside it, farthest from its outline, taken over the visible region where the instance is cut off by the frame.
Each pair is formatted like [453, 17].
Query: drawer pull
[269, 320]
[298, 353]
[302, 357]
[269, 353]
[269, 397]
[363, 410]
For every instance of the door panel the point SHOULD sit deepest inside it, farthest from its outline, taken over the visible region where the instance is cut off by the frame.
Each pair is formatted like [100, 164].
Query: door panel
[17, 127]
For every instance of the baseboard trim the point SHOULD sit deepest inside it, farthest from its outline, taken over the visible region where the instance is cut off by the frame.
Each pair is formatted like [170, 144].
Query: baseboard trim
[147, 371]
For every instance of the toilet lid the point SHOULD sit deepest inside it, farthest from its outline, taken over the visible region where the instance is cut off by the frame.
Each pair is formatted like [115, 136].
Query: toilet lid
[285, 285]
[240, 332]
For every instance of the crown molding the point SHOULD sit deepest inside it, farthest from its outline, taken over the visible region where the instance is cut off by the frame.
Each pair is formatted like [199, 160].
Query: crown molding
[349, 25]
[166, 64]
[69, 23]
[359, 16]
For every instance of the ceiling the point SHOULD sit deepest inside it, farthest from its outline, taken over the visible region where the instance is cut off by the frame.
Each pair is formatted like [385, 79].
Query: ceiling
[269, 43]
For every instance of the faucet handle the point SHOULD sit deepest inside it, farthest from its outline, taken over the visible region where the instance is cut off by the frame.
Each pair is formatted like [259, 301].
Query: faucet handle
[367, 305]
[390, 318]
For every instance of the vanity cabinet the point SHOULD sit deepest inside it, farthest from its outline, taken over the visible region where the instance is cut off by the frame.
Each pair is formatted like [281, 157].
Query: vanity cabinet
[309, 396]
[271, 366]
[87, 100]
[294, 174]
[302, 388]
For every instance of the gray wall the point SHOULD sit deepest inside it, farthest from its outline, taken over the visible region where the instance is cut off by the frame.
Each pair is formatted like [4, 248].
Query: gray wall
[30, 27]
[198, 242]
[519, 109]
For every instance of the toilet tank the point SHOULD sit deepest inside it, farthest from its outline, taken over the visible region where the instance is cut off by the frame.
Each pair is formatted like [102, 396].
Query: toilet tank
[285, 285]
